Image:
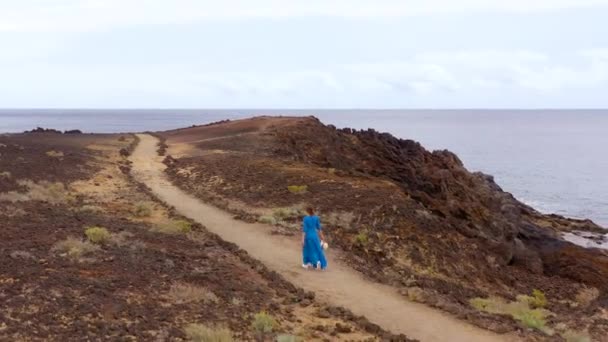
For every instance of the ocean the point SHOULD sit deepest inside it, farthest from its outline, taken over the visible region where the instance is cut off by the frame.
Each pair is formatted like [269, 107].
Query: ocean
[554, 160]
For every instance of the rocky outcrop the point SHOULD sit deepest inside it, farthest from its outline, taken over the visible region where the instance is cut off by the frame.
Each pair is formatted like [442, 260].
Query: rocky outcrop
[471, 204]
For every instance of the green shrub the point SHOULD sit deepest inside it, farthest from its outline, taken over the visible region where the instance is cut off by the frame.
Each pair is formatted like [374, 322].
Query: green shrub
[537, 300]
[183, 226]
[203, 333]
[142, 209]
[362, 238]
[97, 235]
[298, 189]
[173, 227]
[263, 323]
[519, 310]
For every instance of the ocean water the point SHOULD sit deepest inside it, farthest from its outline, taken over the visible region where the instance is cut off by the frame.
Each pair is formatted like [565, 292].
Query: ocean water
[553, 160]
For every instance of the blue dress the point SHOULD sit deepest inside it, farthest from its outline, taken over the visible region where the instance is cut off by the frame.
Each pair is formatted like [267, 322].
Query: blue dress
[312, 250]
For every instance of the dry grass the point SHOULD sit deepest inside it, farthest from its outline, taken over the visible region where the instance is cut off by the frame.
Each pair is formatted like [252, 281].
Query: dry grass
[55, 154]
[575, 336]
[142, 209]
[74, 248]
[267, 219]
[5, 174]
[288, 338]
[54, 193]
[89, 209]
[340, 219]
[587, 296]
[181, 293]
[203, 333]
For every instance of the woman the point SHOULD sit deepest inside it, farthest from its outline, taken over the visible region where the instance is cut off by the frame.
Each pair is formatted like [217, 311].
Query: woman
[311, 244]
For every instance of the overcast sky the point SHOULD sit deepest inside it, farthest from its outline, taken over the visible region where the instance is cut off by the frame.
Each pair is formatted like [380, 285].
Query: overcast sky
[304, 54]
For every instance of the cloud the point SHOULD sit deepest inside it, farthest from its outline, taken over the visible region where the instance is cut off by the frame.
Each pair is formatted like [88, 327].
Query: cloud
[87, 15]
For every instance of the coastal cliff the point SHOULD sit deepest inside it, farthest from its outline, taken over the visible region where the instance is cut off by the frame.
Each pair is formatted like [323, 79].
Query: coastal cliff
[402, 215]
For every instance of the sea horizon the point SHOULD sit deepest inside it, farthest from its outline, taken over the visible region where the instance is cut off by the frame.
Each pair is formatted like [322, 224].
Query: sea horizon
[523, 149]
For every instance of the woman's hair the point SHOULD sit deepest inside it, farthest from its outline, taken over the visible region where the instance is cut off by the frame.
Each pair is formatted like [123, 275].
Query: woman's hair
[310, 210]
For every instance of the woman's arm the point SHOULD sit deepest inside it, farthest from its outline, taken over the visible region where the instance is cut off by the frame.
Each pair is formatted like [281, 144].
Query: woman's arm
[320, 230]
[303, 238]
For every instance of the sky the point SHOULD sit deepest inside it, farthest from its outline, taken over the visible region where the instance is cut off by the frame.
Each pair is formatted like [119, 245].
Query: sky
[303, 54]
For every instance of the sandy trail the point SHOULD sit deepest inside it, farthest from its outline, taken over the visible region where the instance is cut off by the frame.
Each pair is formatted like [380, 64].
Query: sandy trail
[340, 285]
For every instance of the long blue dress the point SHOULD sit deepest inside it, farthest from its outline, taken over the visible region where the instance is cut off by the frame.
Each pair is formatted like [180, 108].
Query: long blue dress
[312, 250]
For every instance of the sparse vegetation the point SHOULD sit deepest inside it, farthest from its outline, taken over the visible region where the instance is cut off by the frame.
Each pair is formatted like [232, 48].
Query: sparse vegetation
[174, 227]
[342, 219]
[288, 338]
[263, 323]
[43, 191]
[574, 336]
[74, 248]
[236, 301]
[362, 238]
[287, 213]
[185, 293]
[97, 235]
[298, 189]
[537, 300]
[54, 154]
[142, 209]
[89, 209]
[587, 296]
[266, 219]
[520, 310]
[203, 333]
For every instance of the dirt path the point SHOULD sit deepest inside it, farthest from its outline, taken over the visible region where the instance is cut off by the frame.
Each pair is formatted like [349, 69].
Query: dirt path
[340, 285]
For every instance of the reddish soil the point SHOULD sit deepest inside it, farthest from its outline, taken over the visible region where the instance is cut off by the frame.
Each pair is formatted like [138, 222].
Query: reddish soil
[120, 292]
[418, 219]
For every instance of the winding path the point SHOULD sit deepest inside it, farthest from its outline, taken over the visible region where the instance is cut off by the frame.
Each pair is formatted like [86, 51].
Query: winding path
[340, 285]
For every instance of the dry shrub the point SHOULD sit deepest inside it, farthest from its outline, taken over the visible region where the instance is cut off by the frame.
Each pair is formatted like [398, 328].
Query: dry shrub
[123, 239]
[88, 209]
[342, 219]
[53, 193]
[181, 293]
[54, 154]
[587, 295]
[575, 336]
[203, 333]
[266, 219]
[22, 255]
[288, 338]
[74, 248]
[263, 323]
[142, 209]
